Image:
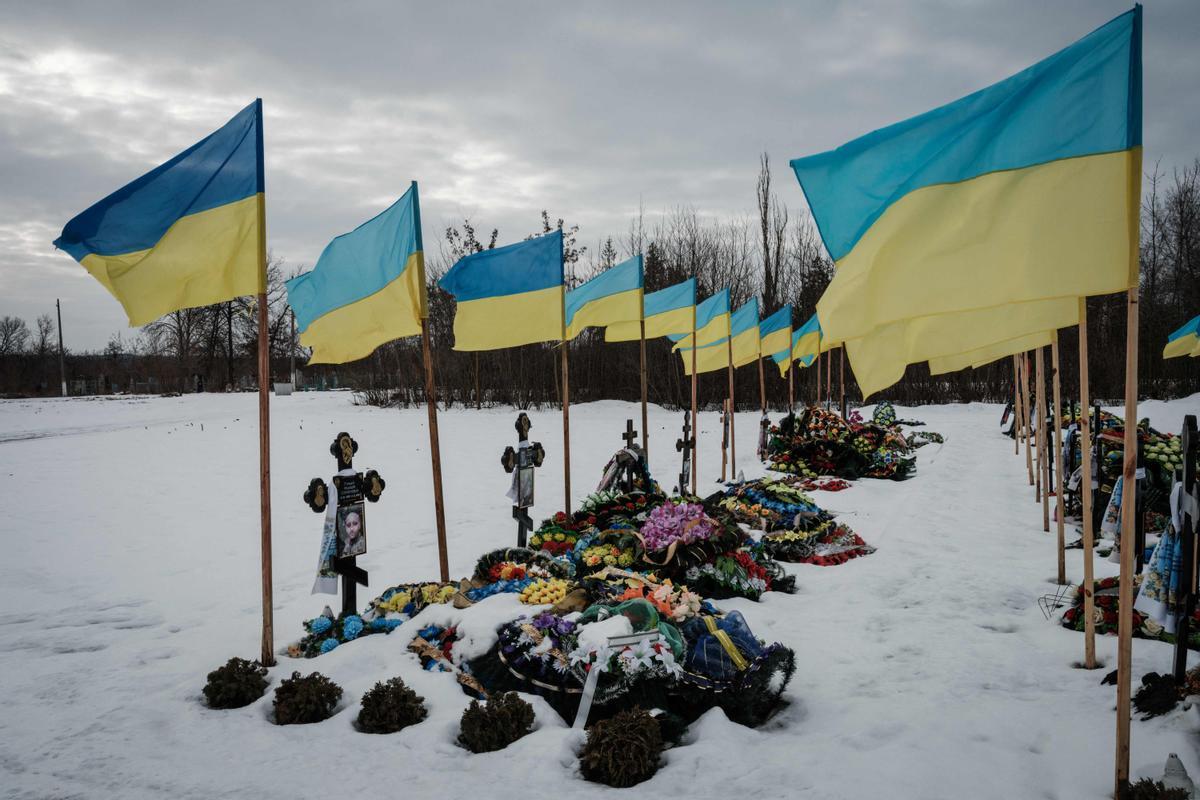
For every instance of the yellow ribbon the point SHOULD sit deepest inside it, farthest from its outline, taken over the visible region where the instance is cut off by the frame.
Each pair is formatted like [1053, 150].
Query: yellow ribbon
[739, 661]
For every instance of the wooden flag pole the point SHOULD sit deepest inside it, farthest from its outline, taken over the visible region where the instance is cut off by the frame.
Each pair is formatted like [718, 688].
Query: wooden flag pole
[791, 386]
[1028, 429]
[1128, 544]
[478, 399]
[828, 381]
[264, 440]
[842, 379]
[817, 364]
[695, 419]
[566, 409]
[1059, 503]
[724, 436]
[732, 412]
[642, 357]
[762, 386]
[435, 452]
[1016, 419]
[1043, 454]
[1085, 488]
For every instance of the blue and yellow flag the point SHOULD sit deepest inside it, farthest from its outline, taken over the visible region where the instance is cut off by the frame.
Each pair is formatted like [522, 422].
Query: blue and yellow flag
[985, 355]
[776, 332]
[613, 296]
[667, 311]
[1028, 189]
[1185, 341]
[367, 288]
[712, 322]
[743, 325]
[807, 339]
[709, 357]
[188, 233]
[509, 296]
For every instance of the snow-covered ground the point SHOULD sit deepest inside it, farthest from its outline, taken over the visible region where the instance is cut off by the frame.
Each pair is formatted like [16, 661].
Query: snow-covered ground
[132, 569]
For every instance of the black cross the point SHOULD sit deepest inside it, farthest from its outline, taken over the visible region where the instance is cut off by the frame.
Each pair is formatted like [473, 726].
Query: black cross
[352, 489]
[630, 434]
[685, 446]
[523, 460]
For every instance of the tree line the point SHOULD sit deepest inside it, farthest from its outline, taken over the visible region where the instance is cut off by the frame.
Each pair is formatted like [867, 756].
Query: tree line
[771, 253]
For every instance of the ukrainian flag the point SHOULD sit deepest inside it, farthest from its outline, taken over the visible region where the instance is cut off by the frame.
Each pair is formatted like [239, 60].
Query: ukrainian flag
[1025, 190]
[1185, 341]
[614, 295]
[776, 332]
[985, 355]
[367, 288]
[879, 358]
[188, 233]
[667, 311]
[709, 357]
[784, 358]
[743, 324]
[712, 321]
[807, 340]
[508, 296]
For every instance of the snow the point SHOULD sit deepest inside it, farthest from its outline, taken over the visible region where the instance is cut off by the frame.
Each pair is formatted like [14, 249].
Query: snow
[925, 670]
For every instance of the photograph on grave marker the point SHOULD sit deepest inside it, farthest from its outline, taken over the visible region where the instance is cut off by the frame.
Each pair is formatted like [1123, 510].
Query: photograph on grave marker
[352, 531]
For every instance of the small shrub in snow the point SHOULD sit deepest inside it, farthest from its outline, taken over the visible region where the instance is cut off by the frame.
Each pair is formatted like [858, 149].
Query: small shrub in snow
[390, 707]
[622, 751]
[302, 699]
[1147, 789]
[238, 683]
[496, 724]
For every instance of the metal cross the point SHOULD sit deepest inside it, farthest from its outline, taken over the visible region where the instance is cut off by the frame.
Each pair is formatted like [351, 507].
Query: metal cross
[523, 460]
[630, 434]
[685, 445]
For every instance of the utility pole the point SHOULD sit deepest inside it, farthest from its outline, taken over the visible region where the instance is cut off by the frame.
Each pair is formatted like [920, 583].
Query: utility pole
[62, 364]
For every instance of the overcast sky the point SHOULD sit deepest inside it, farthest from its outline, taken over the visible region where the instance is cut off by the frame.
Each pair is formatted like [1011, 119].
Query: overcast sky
[498, 109]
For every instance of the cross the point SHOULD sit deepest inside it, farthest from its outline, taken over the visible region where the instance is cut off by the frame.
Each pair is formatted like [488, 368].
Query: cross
[630, 434]
[764, 427]
[523, 460]
[347, 522]
[685, 446]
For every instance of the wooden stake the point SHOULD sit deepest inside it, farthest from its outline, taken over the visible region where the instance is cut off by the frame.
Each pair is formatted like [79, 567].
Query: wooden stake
[791, 386]
[1085, 487]
[817, 364]
[478, 397]
[695, 419]
[1128, 541]
[264, 433]
[732, 413]
[1043, 448]
[62, 363]
[828, 381]
[435, 452]
[1026, 422]
[842, 379]
[724, 436]
[566, 420]
[762, 386]
[1059, 478]
[645, 424]
[1016, 419]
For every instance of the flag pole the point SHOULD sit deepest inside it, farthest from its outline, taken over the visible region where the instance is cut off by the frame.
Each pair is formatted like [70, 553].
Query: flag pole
[264, 416]
[642, 358]
[1128, 542]
[1059, 503]
[566, 411]
[829, 381]
[695, 419]
[791, 384]
[1027, 424]
[1085, 488]
[817, 364]
[842, 378]
[1016, 407]
[435, 447]
[762, 385]
[478, 401]
[435, 452]
[732, 409]
[1043, 442]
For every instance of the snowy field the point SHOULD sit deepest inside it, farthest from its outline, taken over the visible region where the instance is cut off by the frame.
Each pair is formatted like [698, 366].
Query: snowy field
[924, 671]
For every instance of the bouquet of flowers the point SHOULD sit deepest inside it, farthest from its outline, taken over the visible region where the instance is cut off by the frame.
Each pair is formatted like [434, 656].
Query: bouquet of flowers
[673, 523]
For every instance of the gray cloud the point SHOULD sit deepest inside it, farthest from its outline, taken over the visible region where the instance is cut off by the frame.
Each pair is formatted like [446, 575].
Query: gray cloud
[499, 110]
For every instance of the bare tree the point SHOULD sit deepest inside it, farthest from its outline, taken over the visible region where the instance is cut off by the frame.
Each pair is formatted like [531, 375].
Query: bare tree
[14, 335]
[44, 338]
